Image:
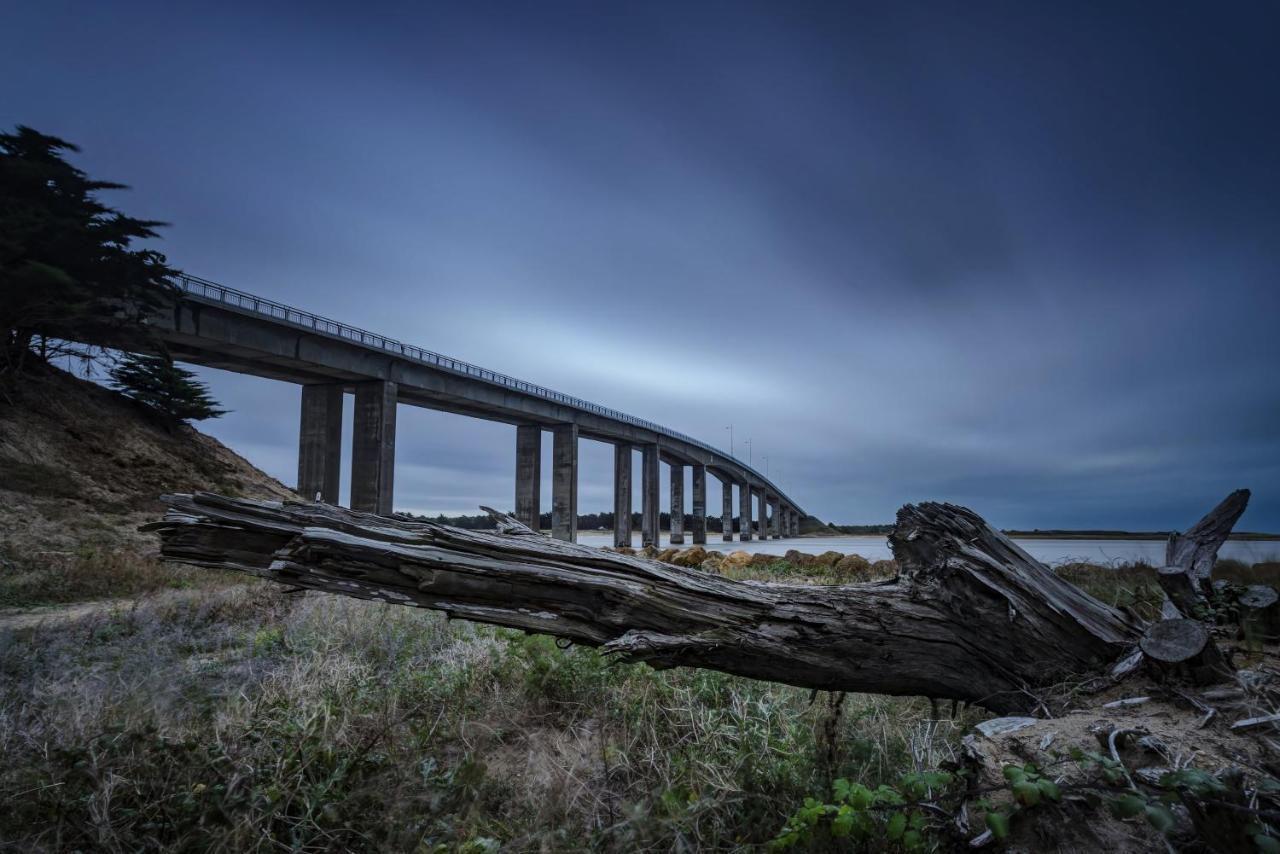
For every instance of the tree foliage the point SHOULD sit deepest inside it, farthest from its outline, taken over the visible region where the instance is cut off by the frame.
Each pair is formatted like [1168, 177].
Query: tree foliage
[160, 384]
[69, 280]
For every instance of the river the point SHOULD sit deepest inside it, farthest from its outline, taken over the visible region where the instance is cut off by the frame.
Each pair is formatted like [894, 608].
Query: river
[1051, 552]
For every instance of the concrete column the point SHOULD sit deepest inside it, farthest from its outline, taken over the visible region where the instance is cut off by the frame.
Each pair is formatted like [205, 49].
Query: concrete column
[320, 443]
[726, 511]
[776, 529]
[677, 505]
[795, 523]
[784, 513]
[744, 512]
[622, 495]
[373, 447]
[763, 499]
[564, 482]
[699, 505]
[649, 495]
[529, 475]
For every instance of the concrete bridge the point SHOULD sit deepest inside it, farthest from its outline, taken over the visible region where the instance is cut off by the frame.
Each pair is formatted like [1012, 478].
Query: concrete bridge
[221, 327]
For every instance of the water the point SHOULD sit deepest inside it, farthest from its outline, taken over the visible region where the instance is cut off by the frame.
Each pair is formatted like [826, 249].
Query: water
[875, 547]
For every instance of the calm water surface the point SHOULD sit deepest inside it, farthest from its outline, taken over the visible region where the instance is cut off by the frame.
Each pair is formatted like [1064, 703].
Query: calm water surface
[1047, 551]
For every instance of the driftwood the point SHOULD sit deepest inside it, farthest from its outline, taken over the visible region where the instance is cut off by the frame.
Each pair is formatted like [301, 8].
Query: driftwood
[1184, 648]
[970, 617]
[1190, 557]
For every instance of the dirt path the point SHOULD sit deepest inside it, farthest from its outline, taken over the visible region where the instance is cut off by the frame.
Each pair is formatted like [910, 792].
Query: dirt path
[25, 618]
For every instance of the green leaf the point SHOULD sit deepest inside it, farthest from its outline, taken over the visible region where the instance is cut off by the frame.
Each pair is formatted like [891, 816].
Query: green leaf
[1026, 793]
[998, 823]
[1014, 773]
[842, 823]
[896, 826]
[1049, 789]
[1159, 817]
[1127, 805]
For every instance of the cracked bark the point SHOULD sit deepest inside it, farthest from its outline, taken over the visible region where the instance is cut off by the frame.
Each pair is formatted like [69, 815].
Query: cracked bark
[970, 617]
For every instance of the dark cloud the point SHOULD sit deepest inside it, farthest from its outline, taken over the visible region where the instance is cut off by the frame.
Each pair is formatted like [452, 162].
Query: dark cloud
[1022, 256]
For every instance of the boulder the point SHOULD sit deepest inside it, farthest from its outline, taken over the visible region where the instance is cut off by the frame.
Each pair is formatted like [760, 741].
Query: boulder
[690, 557]
[884, 569]
[712, 564]
[668, 555]
[827, 559]
[853, 567]
[735, 560]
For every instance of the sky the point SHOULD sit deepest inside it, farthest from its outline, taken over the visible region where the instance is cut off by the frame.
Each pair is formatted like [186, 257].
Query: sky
[1021, 257]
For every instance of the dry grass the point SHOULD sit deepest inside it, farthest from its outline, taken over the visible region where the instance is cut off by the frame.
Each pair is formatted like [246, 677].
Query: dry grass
[246, 719]
[96, 573]
[231, 716]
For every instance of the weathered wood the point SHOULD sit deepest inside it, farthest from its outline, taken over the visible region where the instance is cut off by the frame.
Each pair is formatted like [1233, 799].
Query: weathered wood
[1181, 591]
[1184, 647]
[971, 616]
[1260, 612]
[1195, 553]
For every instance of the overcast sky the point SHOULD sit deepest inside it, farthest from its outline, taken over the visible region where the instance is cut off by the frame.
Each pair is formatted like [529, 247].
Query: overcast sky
[1022, 258]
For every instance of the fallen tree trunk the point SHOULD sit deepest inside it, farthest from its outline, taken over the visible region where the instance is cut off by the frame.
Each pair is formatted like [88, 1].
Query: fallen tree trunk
[971, 616]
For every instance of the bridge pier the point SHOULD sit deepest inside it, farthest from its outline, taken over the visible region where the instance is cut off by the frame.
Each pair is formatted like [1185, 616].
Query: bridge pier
[564, 482]
[726, 511]
[744, 512]
[699, 504]
[649, 495]
[776, 526]
[320, 443]
[764, 515]
[621, 496]
[373, 447]
[529, 475]
[677, 504]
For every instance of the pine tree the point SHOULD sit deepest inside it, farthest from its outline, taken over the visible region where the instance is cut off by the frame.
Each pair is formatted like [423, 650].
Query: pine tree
[69, 280]
[160, 384]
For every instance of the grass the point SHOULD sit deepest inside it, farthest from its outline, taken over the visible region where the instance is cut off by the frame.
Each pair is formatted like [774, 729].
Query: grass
[234, 716]
[91, 573]
[246, 719]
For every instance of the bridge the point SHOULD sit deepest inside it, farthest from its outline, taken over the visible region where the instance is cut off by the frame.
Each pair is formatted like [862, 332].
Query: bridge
[221, 327]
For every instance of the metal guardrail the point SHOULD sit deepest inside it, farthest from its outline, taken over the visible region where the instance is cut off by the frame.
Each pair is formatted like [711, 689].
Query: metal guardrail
[205, 289]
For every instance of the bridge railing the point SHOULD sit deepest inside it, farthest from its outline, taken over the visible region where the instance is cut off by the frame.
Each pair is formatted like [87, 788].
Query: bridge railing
[205, 289]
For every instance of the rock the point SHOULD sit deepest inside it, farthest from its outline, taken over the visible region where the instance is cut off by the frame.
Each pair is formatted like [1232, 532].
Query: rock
[736, 560]
[795, 558]
[690, 557]
[1004, 726]
[711, 565]
[827, 559]
[668, 555]
[854, 567]
[762, 559]
[884, 569]
[649, 551]
[625, 550]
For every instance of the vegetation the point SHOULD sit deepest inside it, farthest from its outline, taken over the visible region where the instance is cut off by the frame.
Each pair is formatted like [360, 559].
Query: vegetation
[231, 715]
[158, 383]
[68, 271]
[245, 719]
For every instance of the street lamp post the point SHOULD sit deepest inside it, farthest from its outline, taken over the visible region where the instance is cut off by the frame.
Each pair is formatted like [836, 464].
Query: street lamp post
[730, 429]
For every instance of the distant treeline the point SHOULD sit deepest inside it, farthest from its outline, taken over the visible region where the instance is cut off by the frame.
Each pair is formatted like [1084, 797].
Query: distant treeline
[586, 522]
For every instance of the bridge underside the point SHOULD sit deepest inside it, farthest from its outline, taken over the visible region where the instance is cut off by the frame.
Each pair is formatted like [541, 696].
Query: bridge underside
[219, 336]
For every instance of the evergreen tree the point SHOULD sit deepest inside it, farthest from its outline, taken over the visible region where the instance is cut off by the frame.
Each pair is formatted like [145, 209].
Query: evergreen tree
[69, 281]
[160, 384]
